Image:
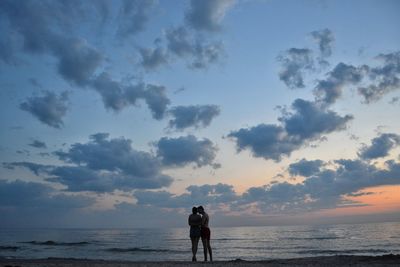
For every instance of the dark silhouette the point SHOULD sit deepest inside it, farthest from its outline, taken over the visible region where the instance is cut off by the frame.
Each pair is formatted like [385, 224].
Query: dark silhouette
[205, 233]
[194, 221]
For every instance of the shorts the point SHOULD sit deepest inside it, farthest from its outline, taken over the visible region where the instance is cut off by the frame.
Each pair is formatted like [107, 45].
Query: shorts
[205, 233]
[195, 232]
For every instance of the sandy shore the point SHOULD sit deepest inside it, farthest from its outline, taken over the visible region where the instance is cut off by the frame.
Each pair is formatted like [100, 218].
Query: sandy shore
[386, 260]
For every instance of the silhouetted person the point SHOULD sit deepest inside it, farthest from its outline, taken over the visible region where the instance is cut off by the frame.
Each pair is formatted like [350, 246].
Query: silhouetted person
[205, 233]
[194, 221]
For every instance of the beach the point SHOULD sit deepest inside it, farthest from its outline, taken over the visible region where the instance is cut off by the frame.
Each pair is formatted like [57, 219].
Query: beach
[384, 260]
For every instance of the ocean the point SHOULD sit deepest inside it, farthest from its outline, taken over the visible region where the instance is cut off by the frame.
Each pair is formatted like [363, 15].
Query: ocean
[246, 243]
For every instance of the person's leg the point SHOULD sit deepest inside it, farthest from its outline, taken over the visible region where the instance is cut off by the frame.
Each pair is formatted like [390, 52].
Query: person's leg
[209, 249]
[204, 241]
[194, 249]
[196, 244]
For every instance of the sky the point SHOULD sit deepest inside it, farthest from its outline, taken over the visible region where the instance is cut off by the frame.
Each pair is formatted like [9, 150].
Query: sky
[128, 113]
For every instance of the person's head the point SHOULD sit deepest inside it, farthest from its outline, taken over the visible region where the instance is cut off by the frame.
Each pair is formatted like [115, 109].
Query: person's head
[194, 210]
[200, 209]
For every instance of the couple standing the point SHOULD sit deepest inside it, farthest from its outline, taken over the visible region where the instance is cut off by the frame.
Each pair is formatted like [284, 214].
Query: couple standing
[198, 222]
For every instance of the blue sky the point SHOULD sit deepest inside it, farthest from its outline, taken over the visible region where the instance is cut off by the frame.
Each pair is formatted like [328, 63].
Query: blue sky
[263, 111]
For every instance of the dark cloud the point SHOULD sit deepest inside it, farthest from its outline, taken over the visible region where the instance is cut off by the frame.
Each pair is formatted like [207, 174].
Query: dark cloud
[111, 164]
[77, 60]
[384, 79]
[133, 16]
[207, 14]
[157, 100]
[308, 122]
[266, 141]
[324, 38]
[49, 108]
[294, 62]
[38, 144]
[305, 167]
[197, 195]
[42, 25]
[373, 82]
[324, 188]
[380, 146]
[48, 27]
[102, 165]
[200, 53]
[153, 58]
[7, 51]
[32, 204]
[32, 195]
[113, 93]
[330, 89]
[180, 41]
[117, 96]
[185, 150]
[192, 116]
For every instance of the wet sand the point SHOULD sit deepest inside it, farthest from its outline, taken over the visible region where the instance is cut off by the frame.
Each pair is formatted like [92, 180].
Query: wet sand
[386, 260]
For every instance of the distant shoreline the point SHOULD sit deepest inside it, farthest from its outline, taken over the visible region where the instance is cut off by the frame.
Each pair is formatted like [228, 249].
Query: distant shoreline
[338, 260]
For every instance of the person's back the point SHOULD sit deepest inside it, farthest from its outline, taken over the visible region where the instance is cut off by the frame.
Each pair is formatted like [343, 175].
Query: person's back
[194, 221]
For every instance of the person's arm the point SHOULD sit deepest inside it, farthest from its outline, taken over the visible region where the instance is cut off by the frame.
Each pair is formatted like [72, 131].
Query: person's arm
[203, 220]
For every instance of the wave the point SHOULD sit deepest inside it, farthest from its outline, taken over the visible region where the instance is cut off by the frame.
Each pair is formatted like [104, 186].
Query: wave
[348, 251]
[54, 243]
[12, 248]
[313, 238]
[124, 250]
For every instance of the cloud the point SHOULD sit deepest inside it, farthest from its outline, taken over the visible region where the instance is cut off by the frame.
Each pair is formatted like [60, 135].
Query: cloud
[38, 144]
[7, 51]
[324, 38]
[266, 141]
[294, 62]
[117, 96]
[384, 79]
[308, 122]
[77, 60]
[156, 100]
[180, 41]
[326, 188]
[330, 89]
[196, 195]
[42, 26]
[47, 27]
[192, 116]
[32, 204]
[200, 53]
[49, 108]
[207, 15]
[305, 167]
[20, 194]
[323, 188]
[380, 146]
[153, 58]
[102, 165]
[373, 82]
[133, 16]
[185, 150]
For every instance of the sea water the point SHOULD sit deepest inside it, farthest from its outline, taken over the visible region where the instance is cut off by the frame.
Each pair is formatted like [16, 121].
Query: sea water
[228, 243]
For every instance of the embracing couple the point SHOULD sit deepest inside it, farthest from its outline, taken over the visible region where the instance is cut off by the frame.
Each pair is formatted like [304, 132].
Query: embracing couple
[198, 222]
